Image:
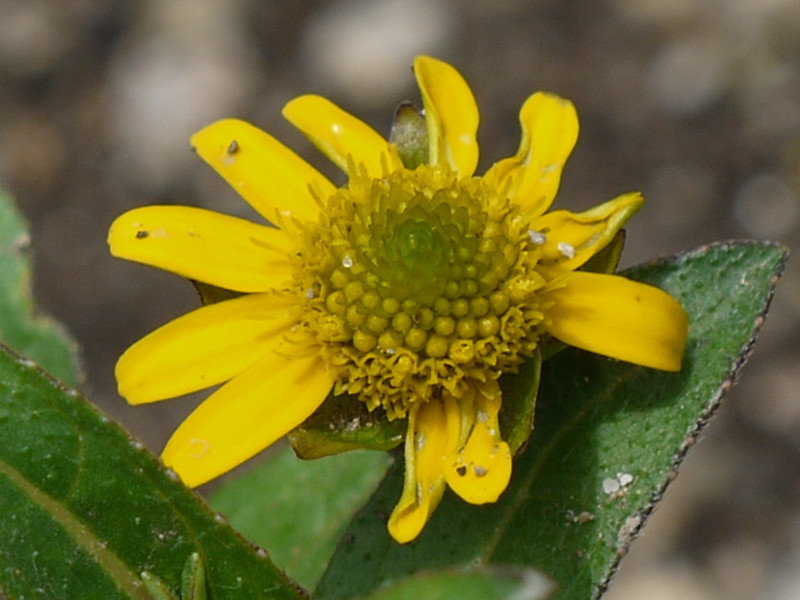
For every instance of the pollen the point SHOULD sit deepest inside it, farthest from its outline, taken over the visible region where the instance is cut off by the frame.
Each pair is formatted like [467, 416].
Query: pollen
[566, 249]
[425, 280]
[537, 237]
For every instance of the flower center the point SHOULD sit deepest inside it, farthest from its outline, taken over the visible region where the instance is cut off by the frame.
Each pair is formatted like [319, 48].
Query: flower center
[417, 247]
[417, 282]
[410, 254]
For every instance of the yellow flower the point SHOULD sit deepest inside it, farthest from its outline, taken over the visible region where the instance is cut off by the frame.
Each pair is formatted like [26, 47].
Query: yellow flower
[411, 287]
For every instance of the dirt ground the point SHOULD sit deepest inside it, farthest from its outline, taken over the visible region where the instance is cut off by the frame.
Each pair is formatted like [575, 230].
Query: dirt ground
[694, 102]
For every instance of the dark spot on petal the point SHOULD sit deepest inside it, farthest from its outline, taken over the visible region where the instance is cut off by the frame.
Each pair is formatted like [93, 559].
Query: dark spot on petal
[462, 470]
[233, 147]
[141, 234]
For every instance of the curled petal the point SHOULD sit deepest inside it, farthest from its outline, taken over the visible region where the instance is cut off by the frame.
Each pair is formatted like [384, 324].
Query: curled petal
[451, 114]
[200, 244]
[616, 317]
[549, 132]
[343, 138]
[246, 415]
[204, 347]
[480, 470]
[273, 179]
[572, 239]
[430, 427]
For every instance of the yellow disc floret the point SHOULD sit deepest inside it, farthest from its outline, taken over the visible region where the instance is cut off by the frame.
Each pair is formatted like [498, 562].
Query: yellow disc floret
[416, 282]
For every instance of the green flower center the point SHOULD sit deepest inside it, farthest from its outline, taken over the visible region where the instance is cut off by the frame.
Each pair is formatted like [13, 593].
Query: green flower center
[416, 249]
[417, 282]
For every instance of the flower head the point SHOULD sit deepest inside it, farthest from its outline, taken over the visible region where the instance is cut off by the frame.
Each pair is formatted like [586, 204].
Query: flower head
[413, 287]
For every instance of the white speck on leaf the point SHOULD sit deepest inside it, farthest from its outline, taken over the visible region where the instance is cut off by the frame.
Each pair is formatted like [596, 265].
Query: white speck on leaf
[616, 487]
[610, 486]
[629, 529]
[625, 479]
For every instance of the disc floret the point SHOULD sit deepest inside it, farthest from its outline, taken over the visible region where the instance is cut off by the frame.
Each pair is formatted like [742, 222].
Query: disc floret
[417, 282]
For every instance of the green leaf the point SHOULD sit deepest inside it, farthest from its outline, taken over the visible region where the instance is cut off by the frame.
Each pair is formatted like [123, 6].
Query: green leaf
[193, 584]
[299, 509]
[193, 580]
[343, 423]
[85, 510]
[609, 437]
[519, 402]
[607, 260]
[474, 584]
[21, 329]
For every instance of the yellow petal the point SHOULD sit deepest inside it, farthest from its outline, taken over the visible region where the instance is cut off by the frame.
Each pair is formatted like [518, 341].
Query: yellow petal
[339, 135]
[451, 114]
[200, 244]
[272, 178]
[616, 317]
[549, 132]
[572, 239]
[246, 415]
[204, 347]
[459, 429]
[429, 427]
[480, 470]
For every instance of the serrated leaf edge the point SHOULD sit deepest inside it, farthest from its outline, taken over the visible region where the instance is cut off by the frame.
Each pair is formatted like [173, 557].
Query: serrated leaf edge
[637, 521]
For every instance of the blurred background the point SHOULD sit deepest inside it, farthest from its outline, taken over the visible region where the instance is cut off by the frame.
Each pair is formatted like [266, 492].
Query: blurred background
[695, 102]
